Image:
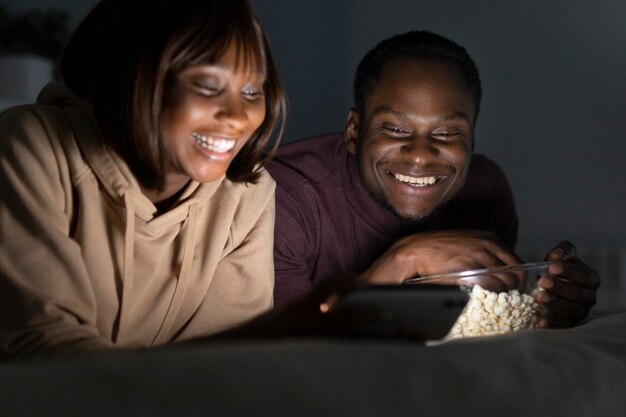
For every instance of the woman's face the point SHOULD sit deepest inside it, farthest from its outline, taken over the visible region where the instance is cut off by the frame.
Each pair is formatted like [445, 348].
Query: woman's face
[210, 112]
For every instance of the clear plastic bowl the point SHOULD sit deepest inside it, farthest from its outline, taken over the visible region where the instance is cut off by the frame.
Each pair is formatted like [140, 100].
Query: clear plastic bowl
[502, 299]
[521, 277]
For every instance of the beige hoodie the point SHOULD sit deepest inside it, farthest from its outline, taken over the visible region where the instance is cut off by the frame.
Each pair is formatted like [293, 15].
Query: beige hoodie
[85, 263]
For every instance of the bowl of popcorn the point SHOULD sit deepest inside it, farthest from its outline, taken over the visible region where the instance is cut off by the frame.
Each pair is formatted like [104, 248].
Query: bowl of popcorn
[502, 299]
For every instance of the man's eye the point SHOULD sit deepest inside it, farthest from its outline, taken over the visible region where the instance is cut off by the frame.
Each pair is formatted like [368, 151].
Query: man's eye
[394, 130]
[446, 134]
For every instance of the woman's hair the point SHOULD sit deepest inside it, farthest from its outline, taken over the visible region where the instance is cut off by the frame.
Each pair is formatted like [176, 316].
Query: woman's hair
[125, 51]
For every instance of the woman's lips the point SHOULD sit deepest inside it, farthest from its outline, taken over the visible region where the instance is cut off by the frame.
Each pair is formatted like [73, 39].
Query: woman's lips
[214, 144]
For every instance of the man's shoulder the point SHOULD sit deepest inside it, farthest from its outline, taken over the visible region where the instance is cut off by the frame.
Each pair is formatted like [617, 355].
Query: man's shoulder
[315, 160]
[486, 180]
[482, 165]
[485, 173]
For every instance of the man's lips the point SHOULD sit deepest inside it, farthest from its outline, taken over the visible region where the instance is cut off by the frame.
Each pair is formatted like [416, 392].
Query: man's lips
[423, 180]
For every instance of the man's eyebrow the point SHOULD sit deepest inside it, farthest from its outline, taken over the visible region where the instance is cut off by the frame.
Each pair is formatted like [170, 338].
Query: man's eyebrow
[453, 116]
[444, 118]
[389, 110]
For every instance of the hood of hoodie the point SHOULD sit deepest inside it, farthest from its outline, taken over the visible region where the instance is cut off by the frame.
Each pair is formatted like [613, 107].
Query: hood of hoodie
[140, 213]
[113, 172]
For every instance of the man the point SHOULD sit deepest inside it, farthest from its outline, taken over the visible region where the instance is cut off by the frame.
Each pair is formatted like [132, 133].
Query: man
[399, 193]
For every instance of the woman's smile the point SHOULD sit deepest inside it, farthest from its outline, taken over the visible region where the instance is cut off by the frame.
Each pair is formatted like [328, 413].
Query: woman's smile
[215, 147]
[210, 112]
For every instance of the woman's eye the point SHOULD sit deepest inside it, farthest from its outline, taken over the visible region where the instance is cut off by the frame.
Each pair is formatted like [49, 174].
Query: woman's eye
[252, 93]
[207, 85]
[208, 89]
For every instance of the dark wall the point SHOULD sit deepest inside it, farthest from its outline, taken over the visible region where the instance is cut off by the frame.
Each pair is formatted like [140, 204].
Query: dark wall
[554, 76]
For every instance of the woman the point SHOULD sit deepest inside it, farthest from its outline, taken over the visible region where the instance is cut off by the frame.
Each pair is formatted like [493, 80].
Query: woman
[135, 210]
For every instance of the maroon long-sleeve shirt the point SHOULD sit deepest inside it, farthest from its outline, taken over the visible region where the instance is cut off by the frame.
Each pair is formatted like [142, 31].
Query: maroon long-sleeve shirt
[327, 223]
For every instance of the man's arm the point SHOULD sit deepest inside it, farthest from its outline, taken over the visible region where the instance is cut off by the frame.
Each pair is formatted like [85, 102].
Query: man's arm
[503, 219]
[439, 252]
[296, 234]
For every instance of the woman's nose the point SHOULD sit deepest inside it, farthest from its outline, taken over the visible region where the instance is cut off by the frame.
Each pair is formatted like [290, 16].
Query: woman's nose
[232, 111]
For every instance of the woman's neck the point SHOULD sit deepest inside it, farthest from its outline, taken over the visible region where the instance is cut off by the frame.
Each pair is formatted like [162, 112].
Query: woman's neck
[164, 199]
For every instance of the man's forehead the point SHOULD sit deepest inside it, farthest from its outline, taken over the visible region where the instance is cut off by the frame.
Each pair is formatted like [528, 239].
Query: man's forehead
[454, 115]
[407, 84]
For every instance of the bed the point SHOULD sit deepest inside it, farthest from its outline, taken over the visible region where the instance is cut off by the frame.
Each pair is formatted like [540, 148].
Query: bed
[571, 372]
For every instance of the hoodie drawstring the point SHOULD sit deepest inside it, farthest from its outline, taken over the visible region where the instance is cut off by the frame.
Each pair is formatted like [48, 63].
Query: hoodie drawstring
[183, 278]
[129, 258]
[128, 274]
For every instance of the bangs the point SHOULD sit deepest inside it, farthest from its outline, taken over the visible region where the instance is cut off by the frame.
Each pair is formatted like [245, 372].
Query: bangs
[202, 43]
[124, 73]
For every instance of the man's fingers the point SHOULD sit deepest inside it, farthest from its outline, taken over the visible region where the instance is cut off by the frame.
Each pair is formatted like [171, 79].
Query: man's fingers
[334, 287]
[563, 313]
[508, 258]
[577, 272]
[563, 250]
[568, 290]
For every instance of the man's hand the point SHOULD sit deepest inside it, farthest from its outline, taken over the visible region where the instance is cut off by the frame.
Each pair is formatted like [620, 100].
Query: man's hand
[439, 252]
[570, 288]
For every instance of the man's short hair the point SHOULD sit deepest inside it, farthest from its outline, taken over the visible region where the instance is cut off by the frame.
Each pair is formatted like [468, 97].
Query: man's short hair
[414, 44]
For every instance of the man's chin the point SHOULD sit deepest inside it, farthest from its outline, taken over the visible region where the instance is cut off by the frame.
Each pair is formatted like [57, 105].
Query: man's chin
[415, 220]
[406, 216]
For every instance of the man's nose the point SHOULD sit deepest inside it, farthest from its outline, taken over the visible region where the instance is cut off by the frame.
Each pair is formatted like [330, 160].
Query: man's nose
[420, 148]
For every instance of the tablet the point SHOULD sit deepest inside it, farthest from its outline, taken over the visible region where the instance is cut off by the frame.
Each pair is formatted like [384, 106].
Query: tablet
[428, 311]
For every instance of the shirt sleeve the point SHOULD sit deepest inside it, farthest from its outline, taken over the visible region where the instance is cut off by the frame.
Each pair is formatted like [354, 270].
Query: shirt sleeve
[503, 219]
[485, 203]
[296, 235]
[46, 300]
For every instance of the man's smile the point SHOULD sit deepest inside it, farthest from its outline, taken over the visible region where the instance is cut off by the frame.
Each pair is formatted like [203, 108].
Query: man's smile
[417, 181]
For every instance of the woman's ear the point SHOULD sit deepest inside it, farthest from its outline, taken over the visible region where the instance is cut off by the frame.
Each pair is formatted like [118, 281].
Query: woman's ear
[351, 131]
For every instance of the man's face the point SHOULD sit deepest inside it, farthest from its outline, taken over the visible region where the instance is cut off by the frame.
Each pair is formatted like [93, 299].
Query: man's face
[413, 143]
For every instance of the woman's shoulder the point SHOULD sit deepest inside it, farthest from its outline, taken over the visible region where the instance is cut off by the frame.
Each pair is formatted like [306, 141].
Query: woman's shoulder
[260, 191]
[229, 194]
[30, 126]
[49, 117]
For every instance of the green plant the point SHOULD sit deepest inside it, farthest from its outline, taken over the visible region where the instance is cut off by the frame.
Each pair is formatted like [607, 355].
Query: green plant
[34, 32]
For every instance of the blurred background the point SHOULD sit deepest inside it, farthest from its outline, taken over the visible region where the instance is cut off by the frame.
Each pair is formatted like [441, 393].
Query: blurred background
[554, 82]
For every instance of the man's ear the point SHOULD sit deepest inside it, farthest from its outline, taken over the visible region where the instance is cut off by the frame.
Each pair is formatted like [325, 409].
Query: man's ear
[351, 132]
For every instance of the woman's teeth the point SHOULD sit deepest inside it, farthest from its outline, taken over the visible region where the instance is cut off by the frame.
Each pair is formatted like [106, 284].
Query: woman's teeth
[415, 181]
[214, 145]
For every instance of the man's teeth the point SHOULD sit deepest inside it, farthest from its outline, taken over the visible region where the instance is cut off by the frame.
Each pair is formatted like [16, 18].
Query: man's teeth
[415, 181]
[214, 145]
